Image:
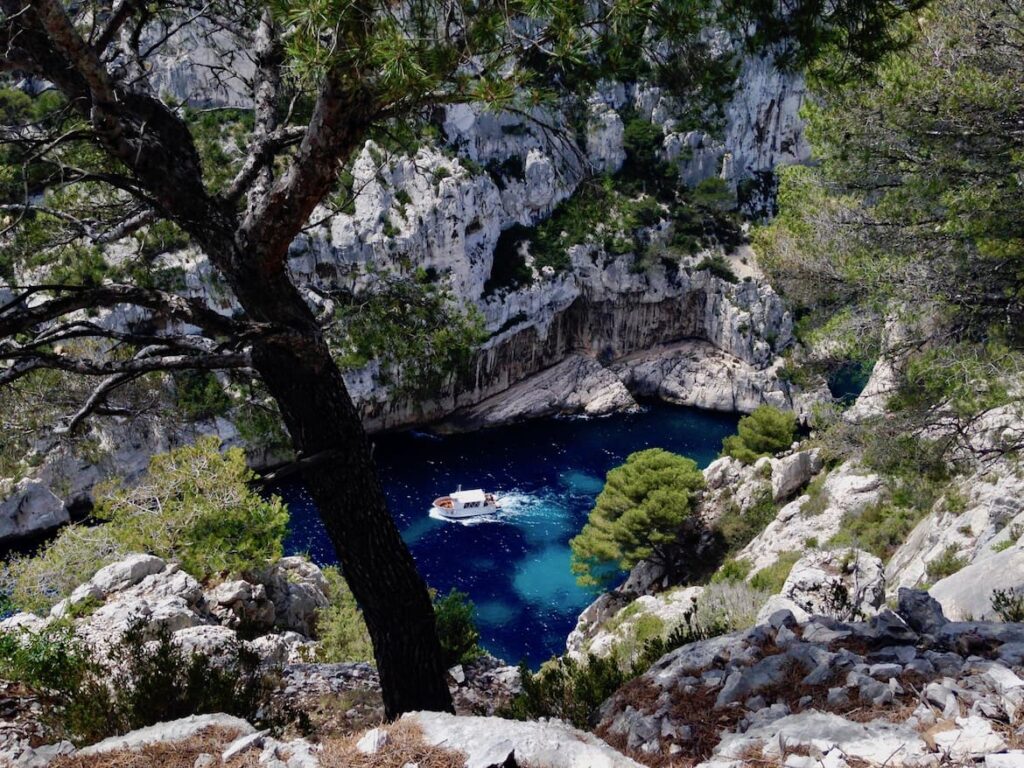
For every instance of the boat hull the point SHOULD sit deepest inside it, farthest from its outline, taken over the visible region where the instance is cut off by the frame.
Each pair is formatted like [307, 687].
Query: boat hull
[463, 514]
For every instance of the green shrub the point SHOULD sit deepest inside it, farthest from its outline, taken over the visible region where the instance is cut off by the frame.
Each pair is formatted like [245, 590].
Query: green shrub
[718, 266]
[645, 506]
[194, 506]
[772, 578]
[340, 627]
[199, 395]
[720, 609]
[145, 679]
[566, 689]
[880, 529]
[456, 628]
[738, 528]
[818, 498]
[946, 564]
[763, 433]
[1003, 545]
[1008, 604]
[731, 571]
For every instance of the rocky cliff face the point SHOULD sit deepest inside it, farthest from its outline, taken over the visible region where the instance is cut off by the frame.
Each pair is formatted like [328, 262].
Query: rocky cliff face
[617, 330]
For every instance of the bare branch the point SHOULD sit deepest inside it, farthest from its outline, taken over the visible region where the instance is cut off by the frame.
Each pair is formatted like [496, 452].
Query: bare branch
[95, 400]
[18, 317]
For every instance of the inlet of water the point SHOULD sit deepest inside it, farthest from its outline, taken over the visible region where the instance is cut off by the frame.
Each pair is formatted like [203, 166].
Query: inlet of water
[514, 566]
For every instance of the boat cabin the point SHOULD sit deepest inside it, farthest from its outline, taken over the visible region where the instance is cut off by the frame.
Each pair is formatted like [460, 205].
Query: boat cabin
[466, 503]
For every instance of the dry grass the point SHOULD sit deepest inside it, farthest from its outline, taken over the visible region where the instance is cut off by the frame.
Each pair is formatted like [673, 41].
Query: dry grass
[180, 754]
[405, 745]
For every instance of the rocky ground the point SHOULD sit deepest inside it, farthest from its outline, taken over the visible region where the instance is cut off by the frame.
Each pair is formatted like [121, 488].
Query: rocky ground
[272, 614]
[904, 688]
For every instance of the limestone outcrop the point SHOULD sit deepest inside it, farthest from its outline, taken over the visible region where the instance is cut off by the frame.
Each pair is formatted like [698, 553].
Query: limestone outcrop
[820, 691]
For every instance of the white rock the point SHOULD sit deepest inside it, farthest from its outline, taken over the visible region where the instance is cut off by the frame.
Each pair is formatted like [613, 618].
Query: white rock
[173, 731]
[373, 741]
[126, 573]
[846, 490]
[1012, 759]
[793, 472]
[486, 740]
[844, 583]
[243, 744]
[876, 743]
[973, 737]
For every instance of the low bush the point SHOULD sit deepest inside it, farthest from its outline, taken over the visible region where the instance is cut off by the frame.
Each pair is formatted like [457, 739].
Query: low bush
[573, 691]
[880, 529]
[946, 564]
[145, 679]
[194, 506]
[772, 578]
[456, 628]
[199, 395]
[719, 267]
[566, 689]
[738, 528]
[731, 571]
[1008, 604]
[340, 627]
[764, 432]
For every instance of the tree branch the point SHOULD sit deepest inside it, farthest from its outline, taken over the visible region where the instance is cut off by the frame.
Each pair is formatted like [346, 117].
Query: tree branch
[18, 317]
[85, 367]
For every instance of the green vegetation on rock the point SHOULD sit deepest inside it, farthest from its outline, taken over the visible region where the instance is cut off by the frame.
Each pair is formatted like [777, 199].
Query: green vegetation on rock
[764, 432]
[340, 627]
[144, 678]
[771, 579]
[194, 506]
[456, 628]
[644, 509]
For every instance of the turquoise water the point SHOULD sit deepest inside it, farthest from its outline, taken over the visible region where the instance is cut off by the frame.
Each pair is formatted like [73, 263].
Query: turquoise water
[547, 473]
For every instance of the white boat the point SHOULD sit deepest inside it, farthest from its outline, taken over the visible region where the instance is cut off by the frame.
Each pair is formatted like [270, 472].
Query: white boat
[462, 504]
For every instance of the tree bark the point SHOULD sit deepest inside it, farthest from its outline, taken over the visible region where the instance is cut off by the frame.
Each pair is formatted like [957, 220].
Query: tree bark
[301, 375]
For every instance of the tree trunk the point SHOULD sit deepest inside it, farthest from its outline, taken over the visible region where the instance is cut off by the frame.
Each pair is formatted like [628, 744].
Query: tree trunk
[379, 568]
[301, 375]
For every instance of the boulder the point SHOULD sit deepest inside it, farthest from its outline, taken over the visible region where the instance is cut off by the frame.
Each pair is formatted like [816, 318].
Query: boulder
[241, 604]
[209, 640]
[921, 611]
[843, 583]
[488, 741]
[793, 472]
[298, 589]
[29, 509]
[967, 594]
[126, 573]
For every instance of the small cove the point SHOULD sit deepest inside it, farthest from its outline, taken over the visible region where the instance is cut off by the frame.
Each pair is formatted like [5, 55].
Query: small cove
[515, 566]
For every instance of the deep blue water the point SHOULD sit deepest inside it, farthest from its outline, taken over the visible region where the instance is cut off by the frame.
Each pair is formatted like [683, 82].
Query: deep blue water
[547, 474]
